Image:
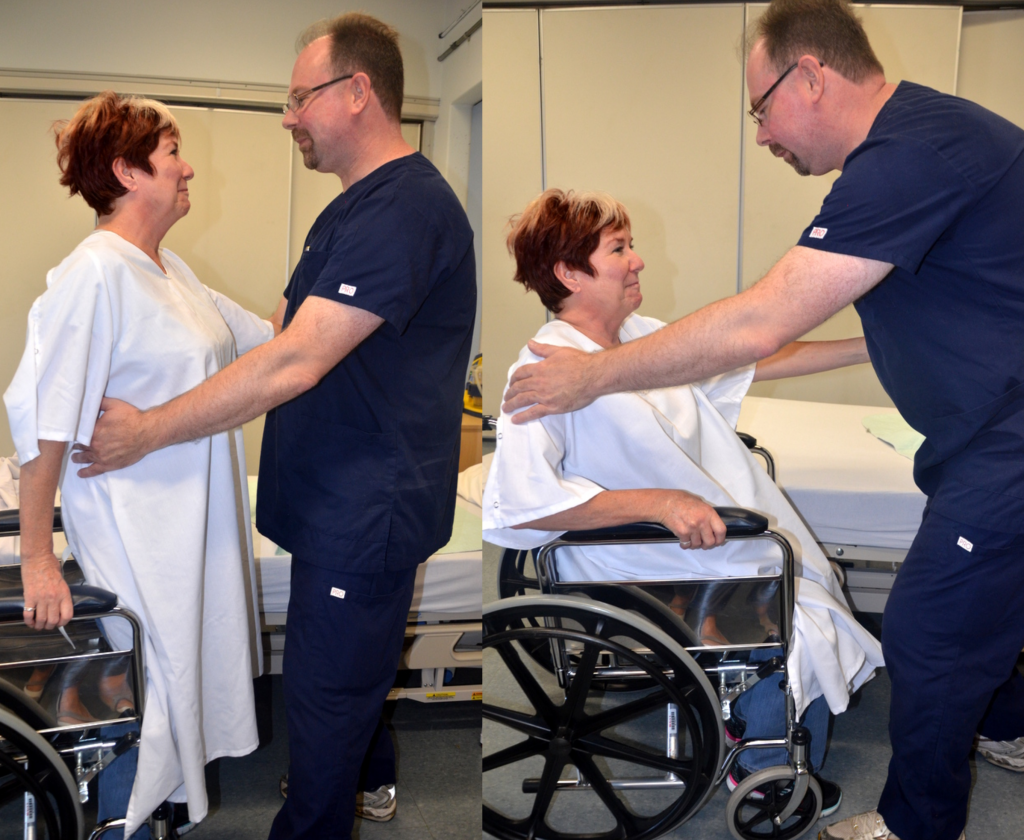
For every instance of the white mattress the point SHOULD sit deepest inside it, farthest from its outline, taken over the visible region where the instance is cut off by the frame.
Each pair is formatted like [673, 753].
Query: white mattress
[848, 486]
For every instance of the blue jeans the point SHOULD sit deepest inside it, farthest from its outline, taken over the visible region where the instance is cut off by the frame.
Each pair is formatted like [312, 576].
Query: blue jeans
[763, 709]
[114, 785]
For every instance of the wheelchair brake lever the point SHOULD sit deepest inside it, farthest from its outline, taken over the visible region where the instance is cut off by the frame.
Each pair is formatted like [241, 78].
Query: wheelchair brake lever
[67, 638]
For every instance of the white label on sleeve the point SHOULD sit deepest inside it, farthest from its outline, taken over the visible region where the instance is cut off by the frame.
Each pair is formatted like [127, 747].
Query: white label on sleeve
[818, 233]
[965, 544]
[337, 593]
[347, 290]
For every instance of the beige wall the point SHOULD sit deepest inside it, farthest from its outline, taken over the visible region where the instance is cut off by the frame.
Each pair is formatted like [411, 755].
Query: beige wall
[512, 176]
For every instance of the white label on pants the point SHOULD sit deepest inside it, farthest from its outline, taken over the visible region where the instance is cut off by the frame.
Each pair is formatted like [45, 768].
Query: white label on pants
[965, 544]
[340, 593]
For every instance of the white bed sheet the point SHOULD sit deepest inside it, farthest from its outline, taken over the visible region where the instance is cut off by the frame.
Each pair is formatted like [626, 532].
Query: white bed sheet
[848, 486]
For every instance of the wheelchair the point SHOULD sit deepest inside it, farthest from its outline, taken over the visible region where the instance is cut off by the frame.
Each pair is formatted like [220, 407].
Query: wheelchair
[46, 763]
[614, 722]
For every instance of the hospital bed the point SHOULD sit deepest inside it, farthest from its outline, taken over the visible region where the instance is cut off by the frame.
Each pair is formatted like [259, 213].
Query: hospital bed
[614, 727]
[855, 493]
[441, 657]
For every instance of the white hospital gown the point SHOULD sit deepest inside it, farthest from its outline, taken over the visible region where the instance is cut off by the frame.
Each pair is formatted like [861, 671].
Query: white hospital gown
[673, 438]
[166, 534]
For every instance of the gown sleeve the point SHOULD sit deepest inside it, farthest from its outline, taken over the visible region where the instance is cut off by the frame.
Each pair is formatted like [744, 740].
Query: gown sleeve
[527, 480]
[57, 389]
[249, 330]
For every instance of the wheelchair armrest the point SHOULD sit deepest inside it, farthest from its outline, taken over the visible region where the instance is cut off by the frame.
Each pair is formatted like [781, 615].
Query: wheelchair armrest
[87, 600]
[10, 522]
[739, 522]
[749, 441]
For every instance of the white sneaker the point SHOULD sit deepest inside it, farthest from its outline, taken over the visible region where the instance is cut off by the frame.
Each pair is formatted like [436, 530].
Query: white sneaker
[867, 826]
[378, 805]
[1006, 754]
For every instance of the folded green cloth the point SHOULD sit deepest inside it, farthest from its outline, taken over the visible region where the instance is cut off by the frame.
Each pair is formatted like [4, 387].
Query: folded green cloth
[895, 431]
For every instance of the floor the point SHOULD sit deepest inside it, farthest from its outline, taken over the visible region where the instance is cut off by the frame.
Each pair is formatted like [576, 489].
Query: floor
[858, 756]
[438, 786]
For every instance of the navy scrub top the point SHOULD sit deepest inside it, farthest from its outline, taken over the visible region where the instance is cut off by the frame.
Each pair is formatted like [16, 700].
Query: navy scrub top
[358, 474]
[937, 189]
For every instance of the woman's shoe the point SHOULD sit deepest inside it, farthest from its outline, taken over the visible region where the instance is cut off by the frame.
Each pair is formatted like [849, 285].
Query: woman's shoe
[37, 681]
[117, 695]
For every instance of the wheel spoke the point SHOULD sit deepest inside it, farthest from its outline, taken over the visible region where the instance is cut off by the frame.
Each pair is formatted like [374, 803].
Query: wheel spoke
[599, 745]
[545, 791]
[619, 714]
[509, 755]
[527, 724]
[625, 820]
[576, 699]
[528, 683]
[761, 815]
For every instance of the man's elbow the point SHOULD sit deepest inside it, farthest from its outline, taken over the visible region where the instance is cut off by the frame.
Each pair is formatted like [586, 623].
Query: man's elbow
[761, 344]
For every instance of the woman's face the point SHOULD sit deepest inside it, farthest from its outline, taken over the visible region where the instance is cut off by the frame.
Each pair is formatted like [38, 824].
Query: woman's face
[166, 191]
[614, 289]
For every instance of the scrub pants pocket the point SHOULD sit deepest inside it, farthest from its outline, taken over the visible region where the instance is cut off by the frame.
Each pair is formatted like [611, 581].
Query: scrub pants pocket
[357, 623]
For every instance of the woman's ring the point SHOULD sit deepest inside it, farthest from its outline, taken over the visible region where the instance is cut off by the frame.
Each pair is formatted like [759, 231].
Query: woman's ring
[685, 543]
[30, 609]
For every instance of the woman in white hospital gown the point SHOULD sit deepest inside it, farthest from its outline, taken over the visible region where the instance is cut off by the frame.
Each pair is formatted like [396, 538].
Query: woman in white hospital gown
[666, 455]
[126, 319]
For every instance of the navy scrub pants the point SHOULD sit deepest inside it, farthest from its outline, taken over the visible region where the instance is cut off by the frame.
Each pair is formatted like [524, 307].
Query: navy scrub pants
[952, 631]
[343, 640]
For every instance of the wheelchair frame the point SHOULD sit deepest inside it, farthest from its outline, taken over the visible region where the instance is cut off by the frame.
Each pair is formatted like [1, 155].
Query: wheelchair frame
[569, 617]
[52, 765]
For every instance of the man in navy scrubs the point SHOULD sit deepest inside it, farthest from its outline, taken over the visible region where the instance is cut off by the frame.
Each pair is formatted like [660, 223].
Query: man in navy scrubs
[363, 393]
[922, 231]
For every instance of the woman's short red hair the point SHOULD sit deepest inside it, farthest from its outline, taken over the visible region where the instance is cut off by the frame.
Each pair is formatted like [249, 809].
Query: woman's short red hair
[560, 226]
[105, 128]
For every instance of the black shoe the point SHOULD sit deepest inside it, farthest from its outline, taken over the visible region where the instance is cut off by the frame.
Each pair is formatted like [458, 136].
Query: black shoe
[831, 796]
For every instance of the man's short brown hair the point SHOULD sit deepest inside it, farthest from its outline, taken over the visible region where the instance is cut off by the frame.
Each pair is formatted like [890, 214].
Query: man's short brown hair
[826, 29]
[363, 44]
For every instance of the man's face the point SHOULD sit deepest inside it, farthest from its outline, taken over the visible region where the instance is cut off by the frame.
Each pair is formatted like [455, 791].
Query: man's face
[780, 127]
[314, 126]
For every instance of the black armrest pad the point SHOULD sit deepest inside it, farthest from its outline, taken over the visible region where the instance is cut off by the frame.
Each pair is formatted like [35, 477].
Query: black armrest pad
[87, 600]
[749, 441]
[10, 522]
[739, 522]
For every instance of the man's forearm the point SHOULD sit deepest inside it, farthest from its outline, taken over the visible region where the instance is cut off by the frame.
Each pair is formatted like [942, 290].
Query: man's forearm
[742, 329]
[800, 358]
[263, 378]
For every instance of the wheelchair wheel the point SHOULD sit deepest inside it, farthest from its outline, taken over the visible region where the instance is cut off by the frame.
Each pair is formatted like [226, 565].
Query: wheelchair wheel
[593, 764]
[28, 764]
[517, 576]
[754, 806]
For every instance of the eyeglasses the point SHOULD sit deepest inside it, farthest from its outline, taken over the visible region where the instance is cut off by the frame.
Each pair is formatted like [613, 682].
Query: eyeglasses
[755, 112]
[297, 100]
